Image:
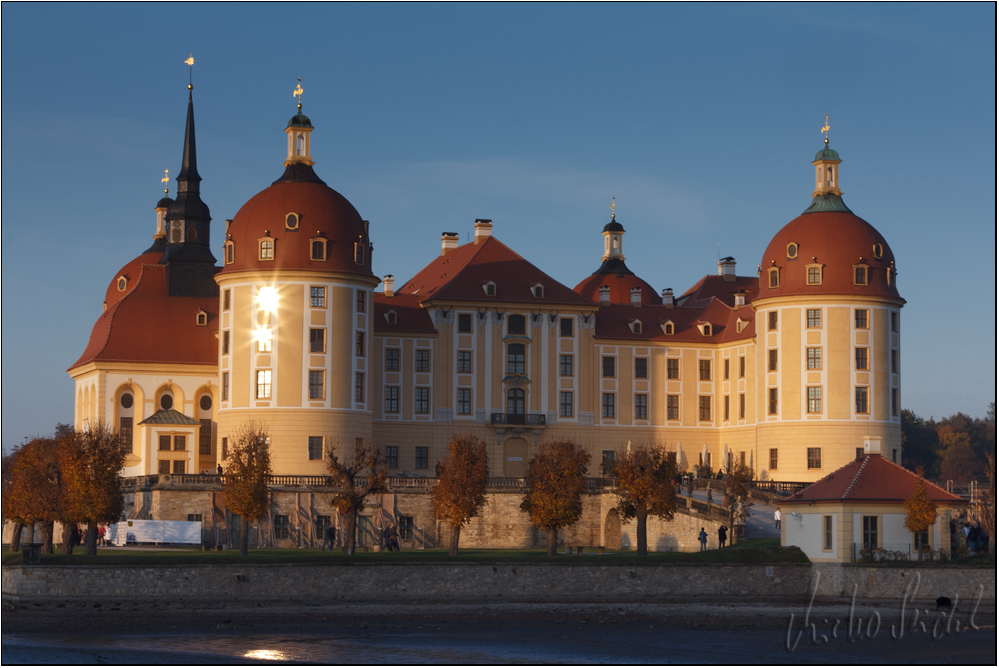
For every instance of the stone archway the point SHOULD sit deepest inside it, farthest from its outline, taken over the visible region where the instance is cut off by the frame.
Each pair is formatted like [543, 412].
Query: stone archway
[515, 458]
[612, 530]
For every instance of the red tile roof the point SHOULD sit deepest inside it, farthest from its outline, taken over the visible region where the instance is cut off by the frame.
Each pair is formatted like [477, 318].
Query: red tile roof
[614, 322]
[131, 273]
[716, 287]
[620, 288]
[410, 317]
[461, 274]
[871, 478]
[148, 325]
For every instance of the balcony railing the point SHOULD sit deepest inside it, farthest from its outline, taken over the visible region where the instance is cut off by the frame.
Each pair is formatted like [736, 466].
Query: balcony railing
[528, 420]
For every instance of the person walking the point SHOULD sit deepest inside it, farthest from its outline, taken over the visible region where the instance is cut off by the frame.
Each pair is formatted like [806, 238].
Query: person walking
[777, 518]
[393, 538]
[722, 535]
[329, 538]
[703, 537]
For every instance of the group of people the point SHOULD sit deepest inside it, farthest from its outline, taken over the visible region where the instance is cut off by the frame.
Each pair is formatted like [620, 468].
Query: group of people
[975, 537]
[389, 538]
[722, 537]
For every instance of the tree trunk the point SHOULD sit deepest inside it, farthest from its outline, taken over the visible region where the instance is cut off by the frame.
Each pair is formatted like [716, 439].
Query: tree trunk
[90, 547]
[552, 542]
[47, 529]
[15, 537]
[349, 532]
[455, 536]
[67, 538]
[641, 537]
[31, 533]
[244, 537]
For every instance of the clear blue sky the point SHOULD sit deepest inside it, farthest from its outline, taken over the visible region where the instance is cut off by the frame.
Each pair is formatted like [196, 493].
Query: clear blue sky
[701, 119]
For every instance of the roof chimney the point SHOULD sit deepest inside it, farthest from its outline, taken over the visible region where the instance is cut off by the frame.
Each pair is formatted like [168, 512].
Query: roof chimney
[389, 283]
[483, 230]
[726, 269]
[636, 297]
[668, 297]
[605, 294]
[740, 298]
[449, 241]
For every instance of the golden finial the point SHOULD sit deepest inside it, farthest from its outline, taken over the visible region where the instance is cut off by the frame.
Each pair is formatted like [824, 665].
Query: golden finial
[825, 129]
[612, 208]
[166, 182]
[298, 93]
[190, 63]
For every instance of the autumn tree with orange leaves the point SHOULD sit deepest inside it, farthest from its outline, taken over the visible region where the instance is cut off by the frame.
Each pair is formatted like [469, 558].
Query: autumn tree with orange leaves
[920, 512]
[245, 473]
[91, 462]
[33, 493]
[357, 476]
[645, 487]
[555, 485]
[460, 491]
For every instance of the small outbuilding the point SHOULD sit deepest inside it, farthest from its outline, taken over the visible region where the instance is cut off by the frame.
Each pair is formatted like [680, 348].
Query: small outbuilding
[860, 506]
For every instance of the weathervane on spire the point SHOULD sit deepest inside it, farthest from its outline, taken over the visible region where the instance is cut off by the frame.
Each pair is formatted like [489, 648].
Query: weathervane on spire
[190, 62]
[825, 129]
[612, 208]
[166, 182]
[298, 93]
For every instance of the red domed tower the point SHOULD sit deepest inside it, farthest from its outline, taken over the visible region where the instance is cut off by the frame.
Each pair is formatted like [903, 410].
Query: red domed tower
[296, 302]
[828, 339]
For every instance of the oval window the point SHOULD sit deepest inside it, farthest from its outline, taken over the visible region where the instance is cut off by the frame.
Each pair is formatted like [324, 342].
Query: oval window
[122, 283]
[192, 234]
[291, 221]
[126, 401]
[206, 403]
[166, 402]
[878, 251]
[792, 250]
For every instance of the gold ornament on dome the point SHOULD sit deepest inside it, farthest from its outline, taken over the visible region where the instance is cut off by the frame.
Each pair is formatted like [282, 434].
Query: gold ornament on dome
[165, 181]
[825, 128]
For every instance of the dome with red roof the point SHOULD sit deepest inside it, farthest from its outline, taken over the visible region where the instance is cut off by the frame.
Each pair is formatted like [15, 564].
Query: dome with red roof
[828, 249]
[130, 272]
[620, 288]
[295, 211]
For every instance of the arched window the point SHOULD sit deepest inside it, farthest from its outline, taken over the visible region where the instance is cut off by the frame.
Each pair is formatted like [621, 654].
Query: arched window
[358, 253]
[300, 148]
[515, 402]
[515, 354]
[230, 252]
[829, 176]
[516, 324]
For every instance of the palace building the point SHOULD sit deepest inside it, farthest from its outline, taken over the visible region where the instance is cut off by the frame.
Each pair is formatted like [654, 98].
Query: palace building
[793, 369]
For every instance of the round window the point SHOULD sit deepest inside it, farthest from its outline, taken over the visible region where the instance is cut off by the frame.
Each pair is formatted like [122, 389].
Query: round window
[291, 221]
[206, 403]
[166, 402]
[122, 283]
[126, 401]
[792, 250]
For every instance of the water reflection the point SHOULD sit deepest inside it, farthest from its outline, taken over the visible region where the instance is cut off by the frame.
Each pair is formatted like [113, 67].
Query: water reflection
[268, 654]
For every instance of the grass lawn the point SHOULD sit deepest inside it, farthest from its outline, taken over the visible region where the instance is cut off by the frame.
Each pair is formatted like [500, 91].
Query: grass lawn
[759, 551]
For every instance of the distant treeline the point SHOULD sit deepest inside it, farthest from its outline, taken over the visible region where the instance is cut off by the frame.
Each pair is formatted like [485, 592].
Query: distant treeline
[954, 448]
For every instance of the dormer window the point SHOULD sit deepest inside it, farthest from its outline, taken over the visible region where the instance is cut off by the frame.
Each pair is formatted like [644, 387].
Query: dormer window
[318, 246]
[291, 221]
[860, 275]
[792, 251]
[267, 249]
[705, 328]
[667, 328]
[390, 317]
[230, 252]
[890, 277]
[740, 325]
[878, 251]
[202, 319]
[490, 289]
[122, 283]
[814, 274]
[636, 327]
[774, 277]
[359, 253]
[538, 291]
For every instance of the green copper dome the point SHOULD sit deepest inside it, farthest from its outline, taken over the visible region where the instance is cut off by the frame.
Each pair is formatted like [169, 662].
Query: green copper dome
[826, 154]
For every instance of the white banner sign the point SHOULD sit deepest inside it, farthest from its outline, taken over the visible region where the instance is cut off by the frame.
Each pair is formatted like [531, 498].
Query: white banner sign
[155, 531]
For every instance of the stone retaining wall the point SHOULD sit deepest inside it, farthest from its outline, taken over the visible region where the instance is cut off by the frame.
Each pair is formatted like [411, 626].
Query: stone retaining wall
[277, 585]
[197, 587]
